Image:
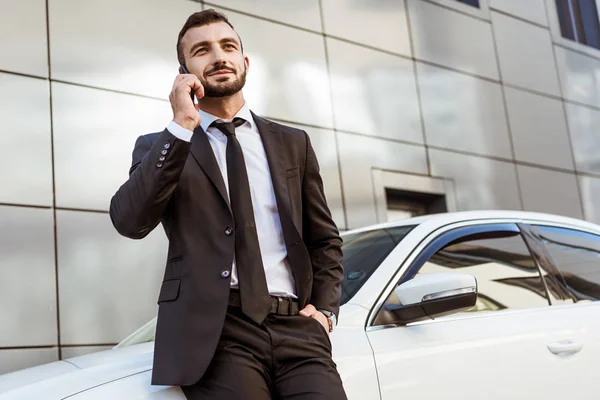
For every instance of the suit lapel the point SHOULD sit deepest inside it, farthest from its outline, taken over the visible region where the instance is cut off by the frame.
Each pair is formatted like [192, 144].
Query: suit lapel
[272, 139]
[298, 256]
[203, 153]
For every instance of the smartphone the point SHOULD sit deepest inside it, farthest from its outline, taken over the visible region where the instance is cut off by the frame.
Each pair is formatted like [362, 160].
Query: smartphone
[185, 71]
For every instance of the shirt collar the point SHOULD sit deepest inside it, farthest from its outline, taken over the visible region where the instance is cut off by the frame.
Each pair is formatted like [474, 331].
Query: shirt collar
[208, 119]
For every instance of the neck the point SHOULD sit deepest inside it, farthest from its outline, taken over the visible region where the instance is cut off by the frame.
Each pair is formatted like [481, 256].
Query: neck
[222, 107]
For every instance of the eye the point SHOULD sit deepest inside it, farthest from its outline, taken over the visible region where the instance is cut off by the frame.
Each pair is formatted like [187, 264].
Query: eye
[200, 50]
[229, 45]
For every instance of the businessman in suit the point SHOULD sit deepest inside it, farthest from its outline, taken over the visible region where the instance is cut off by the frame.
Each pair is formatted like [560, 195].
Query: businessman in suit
[252, 284]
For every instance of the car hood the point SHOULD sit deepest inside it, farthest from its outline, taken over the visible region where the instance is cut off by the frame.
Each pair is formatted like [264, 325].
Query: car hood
[58, 380]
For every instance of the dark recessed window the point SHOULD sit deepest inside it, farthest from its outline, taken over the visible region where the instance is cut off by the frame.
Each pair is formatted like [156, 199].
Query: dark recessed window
[474, 3]
[579, 21]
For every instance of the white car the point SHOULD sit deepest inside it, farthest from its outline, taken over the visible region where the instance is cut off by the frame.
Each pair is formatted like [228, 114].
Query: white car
[472, 305]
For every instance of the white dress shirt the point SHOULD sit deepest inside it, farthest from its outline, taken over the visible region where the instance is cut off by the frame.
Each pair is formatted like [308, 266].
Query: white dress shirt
[280, 280]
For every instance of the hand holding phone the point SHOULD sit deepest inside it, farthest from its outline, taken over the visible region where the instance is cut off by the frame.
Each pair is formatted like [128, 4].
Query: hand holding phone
[185, 71]
[185, 113]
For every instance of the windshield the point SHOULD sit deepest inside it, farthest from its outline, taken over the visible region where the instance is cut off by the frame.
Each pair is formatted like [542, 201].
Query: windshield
[363, 252]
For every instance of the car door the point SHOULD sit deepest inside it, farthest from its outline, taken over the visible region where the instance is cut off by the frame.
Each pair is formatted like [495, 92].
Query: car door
[496, 350]
[574, 257]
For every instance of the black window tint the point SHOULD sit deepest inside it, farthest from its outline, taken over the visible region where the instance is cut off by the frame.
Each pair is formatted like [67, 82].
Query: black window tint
[474, 3]
[363, 252]
[579, 21]
[507, 276]
[577, 255]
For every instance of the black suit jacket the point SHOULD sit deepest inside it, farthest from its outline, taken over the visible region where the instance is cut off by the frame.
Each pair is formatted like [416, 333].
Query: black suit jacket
[187, 194]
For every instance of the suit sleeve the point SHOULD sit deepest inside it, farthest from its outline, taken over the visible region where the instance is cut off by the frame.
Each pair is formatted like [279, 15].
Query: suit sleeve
[321, 237]
[137, 207]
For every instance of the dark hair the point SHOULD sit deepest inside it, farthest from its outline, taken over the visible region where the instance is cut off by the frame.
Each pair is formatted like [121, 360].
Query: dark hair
[201, 18]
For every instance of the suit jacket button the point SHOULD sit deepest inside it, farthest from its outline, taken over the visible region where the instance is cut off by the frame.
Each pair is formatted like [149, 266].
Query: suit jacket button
[228, 231]
[159, 165]
[161, 158]
[164, 152]
[225, 273]
[167, 145]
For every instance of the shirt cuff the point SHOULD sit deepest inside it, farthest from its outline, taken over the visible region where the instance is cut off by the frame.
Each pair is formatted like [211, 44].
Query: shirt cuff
[179, 132]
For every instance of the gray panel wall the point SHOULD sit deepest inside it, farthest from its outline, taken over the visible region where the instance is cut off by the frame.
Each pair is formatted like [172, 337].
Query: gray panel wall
[490, 99]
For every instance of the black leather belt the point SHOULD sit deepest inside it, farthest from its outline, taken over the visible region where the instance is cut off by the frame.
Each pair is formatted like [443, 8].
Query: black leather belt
[279, 305]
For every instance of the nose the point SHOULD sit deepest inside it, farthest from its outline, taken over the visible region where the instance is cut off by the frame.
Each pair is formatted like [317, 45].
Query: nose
[217, 62]
[220, 63]
[218, 56]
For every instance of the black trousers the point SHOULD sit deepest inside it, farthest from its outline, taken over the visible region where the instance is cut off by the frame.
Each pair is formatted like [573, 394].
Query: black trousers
[287, 357]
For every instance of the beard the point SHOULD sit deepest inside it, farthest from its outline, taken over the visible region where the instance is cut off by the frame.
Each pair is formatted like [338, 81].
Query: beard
[226, 88]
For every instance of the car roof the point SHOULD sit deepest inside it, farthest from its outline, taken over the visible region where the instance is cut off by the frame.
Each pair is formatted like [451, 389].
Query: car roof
[461, 216]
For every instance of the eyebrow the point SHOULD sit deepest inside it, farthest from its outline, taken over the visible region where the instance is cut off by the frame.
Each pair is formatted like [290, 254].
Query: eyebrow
[206, 43]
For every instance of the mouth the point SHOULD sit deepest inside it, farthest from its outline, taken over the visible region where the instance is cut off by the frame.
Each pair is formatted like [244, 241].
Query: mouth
[221, 72]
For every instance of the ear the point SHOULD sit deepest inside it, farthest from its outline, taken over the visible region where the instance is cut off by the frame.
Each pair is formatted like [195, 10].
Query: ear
[247, 63]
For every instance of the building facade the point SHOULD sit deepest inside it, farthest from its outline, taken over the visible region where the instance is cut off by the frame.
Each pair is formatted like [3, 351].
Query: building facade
[413, 106]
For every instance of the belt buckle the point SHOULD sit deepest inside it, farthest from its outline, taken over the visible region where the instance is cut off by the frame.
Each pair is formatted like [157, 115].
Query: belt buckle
[278, 308]
[283, 306]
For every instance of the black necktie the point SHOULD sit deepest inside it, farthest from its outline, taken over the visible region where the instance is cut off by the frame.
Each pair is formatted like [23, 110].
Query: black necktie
[254, 293]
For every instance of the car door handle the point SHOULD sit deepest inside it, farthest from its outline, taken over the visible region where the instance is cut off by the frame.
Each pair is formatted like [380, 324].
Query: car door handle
[565, 346]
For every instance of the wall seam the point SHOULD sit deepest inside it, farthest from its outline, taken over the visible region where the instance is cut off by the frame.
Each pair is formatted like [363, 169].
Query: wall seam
[56, 276]
[567, 125]
[335, 132]
[417, 87]
[506, 115]
[507, 14]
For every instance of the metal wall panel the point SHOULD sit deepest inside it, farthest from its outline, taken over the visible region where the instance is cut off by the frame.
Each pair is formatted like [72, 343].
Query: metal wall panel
[578, 76]
[583, 125]
[469, 47]
[590, 193]
[480, 183]
[463, 112]
[383, 26]
[550, 191]
[17, 359]
[302, 13]
[27, 278]
[373, 92]
[120, 45]
[525, 55]
[94, 136]
[532, 10]
[23, 38]
[27, 160]
[539, 129]
[108, 284]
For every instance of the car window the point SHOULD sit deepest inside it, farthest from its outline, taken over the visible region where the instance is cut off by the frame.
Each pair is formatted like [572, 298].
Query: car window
[507, 275]
[577, 255]
[497, 256]
[363, 252]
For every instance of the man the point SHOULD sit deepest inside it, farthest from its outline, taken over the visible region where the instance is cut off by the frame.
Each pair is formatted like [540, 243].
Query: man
[252, 283]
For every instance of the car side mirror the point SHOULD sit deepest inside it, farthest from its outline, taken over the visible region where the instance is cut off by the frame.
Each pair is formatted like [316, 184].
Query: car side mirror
[435, 295]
